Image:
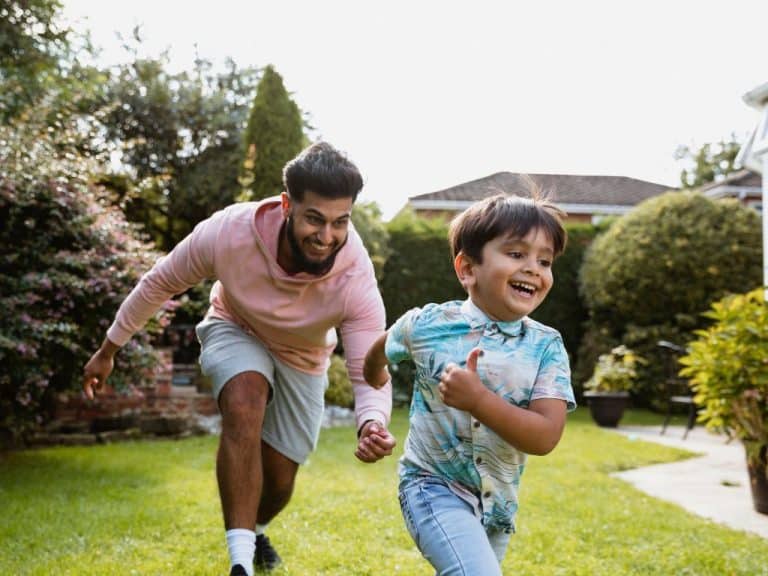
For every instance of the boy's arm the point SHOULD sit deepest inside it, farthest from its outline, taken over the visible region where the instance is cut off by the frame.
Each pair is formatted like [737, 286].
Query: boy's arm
[375, 364]
[535, 430]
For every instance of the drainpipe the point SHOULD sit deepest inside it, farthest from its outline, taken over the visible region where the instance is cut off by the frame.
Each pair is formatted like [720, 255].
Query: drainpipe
[754, 155]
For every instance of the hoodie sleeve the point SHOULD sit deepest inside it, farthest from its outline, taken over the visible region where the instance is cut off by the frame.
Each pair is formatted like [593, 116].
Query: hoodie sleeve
[363, 323]
[191, 261]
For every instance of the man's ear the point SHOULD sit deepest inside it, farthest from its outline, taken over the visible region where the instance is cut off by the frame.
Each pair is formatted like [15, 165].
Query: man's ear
[285, 204]
[465, 271]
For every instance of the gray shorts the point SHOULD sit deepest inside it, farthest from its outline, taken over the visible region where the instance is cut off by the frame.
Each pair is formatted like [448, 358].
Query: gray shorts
[295, 408]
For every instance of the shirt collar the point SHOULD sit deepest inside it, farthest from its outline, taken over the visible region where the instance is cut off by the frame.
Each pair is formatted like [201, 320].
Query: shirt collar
[479, 319]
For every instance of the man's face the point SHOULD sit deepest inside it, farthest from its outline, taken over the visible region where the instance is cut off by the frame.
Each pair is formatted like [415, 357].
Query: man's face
[316, 229]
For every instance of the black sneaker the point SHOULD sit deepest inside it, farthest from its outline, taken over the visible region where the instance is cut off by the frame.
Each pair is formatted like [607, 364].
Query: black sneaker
[238, 570]
[265, 557]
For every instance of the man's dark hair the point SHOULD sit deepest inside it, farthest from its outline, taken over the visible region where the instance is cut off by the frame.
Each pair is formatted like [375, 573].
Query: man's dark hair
[323, 170]
[505, 215]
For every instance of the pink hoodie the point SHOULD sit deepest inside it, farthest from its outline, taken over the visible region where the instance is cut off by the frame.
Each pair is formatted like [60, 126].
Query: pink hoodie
[295, 316]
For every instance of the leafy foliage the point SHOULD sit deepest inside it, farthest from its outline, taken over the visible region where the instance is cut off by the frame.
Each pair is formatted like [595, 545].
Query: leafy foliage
[366, 217]
[339, 392]
[31, 44]
[728, 367]
[632, 273]
[67, 259]
[653, 272]
[709, 163]
[564, 308]
[178, 137]
[274, 136]
[615, 371]
[669, 259]
[419, 270]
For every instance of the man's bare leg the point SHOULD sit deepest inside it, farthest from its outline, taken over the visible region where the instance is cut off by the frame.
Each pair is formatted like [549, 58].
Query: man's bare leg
[279, 477]
[239, 465]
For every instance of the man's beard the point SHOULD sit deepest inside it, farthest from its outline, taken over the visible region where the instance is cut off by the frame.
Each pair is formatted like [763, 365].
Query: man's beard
[303, 264]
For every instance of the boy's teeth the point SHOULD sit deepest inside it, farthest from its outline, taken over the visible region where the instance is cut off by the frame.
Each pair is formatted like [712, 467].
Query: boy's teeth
[524, 287]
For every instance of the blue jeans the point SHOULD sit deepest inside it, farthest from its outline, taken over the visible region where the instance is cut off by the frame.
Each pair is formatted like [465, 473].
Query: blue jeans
[447, 530]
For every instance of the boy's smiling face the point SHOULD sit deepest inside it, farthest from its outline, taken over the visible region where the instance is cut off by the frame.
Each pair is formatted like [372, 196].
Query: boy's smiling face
[514, 277]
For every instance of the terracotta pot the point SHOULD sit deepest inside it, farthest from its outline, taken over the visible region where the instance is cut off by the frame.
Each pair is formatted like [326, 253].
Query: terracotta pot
[757, 465]
[607, 408]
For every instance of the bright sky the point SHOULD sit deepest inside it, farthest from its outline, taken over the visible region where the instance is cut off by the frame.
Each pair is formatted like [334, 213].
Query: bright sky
[423, 94]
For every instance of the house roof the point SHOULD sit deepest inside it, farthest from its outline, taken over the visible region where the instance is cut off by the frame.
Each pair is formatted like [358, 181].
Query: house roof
[562, 188]
[740, 179]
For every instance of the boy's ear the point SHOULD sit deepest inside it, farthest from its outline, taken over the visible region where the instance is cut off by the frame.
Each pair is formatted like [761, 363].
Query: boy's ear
[465, 272]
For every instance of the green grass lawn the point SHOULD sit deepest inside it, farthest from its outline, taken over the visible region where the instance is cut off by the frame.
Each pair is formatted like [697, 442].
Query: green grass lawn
[151, 508]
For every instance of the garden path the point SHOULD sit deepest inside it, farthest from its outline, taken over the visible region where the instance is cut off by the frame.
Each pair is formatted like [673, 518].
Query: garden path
[714, 485]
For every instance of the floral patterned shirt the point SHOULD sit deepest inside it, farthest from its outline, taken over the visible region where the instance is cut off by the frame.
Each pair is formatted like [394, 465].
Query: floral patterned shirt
[522, 361]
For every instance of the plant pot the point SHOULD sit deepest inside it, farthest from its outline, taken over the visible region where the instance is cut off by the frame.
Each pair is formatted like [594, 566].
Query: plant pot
[757, 465]
[607, 408]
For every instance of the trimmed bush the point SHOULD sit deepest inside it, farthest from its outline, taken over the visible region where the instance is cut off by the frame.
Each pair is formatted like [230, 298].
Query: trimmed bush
[669, 259]
[655, 270]
[419, 269]
[564, 309]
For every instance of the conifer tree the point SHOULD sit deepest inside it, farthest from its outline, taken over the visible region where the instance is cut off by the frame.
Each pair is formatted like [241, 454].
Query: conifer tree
[274, 135]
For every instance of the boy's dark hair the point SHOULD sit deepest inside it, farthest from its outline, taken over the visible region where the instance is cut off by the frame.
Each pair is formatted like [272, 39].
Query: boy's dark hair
[505, 214]
[323, 170]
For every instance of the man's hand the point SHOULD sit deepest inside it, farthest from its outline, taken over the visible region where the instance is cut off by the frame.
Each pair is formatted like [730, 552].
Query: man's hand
[98, 368]
[374, 443]
[461, 387]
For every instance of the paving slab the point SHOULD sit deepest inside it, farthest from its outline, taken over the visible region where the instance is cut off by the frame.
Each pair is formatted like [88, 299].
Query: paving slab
[714, 485]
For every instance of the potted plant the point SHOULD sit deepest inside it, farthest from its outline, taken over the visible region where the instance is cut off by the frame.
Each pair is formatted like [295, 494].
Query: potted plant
[728, 368]
[607, 391]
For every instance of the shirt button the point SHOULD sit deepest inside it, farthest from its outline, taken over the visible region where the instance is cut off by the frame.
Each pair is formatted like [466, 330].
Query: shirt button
[487, 495]
[478, 460]
[477, 424]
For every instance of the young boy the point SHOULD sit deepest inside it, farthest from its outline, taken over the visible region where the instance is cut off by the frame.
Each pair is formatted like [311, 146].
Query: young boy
[491, 384]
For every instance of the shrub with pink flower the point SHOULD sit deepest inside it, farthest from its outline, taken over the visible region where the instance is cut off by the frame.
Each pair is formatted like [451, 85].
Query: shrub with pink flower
[67, 259]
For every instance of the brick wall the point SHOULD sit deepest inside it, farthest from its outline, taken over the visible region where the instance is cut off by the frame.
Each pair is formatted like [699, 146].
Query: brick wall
[158, 410]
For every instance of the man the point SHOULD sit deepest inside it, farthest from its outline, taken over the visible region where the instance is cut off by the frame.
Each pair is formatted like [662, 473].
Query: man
[288, 270]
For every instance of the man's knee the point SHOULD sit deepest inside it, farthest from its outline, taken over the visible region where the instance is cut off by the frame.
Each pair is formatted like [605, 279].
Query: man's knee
[244, 398]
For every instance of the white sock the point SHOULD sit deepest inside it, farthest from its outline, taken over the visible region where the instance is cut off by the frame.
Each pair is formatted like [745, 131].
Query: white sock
[260, 529]
[241, 544]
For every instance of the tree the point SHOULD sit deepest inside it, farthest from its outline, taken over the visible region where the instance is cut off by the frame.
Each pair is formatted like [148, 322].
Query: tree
[179, 140]
[709, 163]
[31, 44]
[366, 216]
[274, 135]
